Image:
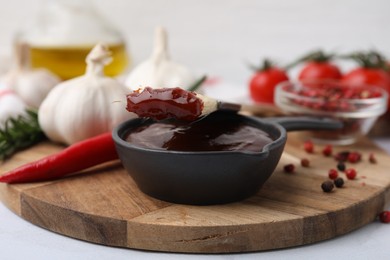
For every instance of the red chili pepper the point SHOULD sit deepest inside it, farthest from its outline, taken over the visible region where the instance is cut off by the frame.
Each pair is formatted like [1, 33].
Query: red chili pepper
[77, 157]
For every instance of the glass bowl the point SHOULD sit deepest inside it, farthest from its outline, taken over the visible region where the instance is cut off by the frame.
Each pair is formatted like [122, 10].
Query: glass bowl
[356, 106]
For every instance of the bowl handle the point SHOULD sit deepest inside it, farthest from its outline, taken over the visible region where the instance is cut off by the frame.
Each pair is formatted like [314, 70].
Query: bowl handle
[305, 123]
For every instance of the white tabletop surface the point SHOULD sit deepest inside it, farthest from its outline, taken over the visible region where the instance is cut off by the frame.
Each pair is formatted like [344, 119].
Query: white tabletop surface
[22, 240]
[218, 37]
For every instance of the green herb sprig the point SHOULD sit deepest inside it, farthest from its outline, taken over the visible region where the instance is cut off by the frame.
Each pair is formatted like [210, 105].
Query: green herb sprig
[197, 84]
[20, 133]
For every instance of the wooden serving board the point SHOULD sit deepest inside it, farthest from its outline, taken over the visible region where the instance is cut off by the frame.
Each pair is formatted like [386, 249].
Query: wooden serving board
[103, 205]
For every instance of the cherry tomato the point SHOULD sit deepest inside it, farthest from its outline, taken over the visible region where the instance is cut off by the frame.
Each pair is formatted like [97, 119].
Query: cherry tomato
[372, 76]
[372, 70]
[319, 70]
[263, 83]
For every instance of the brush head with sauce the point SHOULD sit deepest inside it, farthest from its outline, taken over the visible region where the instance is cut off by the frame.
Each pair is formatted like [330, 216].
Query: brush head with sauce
[173, 103]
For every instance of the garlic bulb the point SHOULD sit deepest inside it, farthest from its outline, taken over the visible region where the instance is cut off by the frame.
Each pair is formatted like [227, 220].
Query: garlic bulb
[32, 85]
[85, 106]
[159, 71]
[10, 105]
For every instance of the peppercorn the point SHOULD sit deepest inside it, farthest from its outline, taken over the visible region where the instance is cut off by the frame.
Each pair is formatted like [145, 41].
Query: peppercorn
[339, 182]
[372, 158]
[333, 174]
[305, 162]
[384, 216]
[308, 146]
[289, 168]
[327, 186]
[351, 173]
[354, 157]
[327, 151]
[342, 156]
[341, 166]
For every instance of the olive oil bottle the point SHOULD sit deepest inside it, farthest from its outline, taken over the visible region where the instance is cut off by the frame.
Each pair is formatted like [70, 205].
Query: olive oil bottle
[69, 61]
[65, 31]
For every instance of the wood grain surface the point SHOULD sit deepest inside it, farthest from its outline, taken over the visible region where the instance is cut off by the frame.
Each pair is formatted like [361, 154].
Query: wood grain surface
[103, 205]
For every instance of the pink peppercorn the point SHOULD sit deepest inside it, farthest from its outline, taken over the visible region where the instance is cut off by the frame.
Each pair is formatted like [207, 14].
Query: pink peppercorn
[327, 151]
[308, 146]
[289, 168]
[342, 156]
[305, 162]
[333, 174]
[372, 158]
[350, 173]
[384, 216]
[354, 157]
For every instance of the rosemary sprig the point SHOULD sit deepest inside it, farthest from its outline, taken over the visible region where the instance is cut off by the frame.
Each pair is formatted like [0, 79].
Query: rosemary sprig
[197, 84]
[20, 133]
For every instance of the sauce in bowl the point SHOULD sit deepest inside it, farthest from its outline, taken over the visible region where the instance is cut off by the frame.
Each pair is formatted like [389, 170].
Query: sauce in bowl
[207, 134]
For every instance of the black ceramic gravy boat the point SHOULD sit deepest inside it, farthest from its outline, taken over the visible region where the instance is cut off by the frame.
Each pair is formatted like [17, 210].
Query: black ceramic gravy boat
[204, 178]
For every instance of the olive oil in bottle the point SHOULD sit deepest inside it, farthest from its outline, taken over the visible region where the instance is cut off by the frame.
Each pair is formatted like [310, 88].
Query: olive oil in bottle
[69, 61]
[65, 31]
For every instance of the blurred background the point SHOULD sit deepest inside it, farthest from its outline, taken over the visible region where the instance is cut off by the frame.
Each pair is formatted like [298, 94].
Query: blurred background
[220, 37]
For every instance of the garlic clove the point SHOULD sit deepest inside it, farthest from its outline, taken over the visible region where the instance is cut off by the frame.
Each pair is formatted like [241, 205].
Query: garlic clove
[159, 71]
[32, 85]
[11, 105]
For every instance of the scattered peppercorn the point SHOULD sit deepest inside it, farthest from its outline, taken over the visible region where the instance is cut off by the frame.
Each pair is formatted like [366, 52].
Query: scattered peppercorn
[305, 162]
[372, 158]
[308, 146]
[354, 157]
[342, 156]
[327, 186]
[327, 151]
[289, 168]
[339, 182]
[351, 173]
[333, 174]
[341, 166]
[384, 216]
